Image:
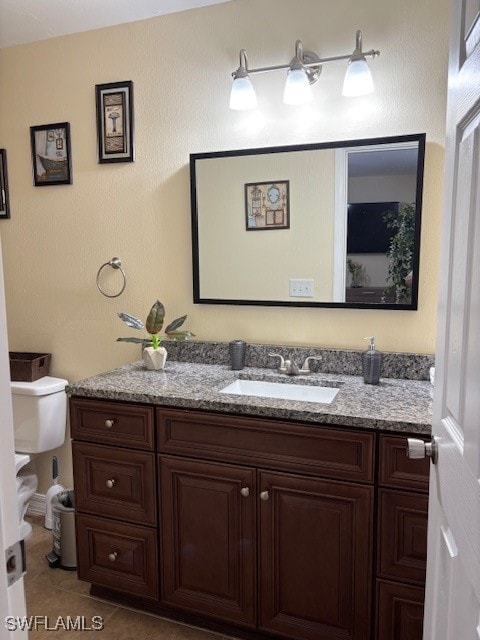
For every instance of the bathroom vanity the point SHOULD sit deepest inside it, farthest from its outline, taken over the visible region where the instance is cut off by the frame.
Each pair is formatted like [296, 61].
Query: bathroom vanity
[250, 516]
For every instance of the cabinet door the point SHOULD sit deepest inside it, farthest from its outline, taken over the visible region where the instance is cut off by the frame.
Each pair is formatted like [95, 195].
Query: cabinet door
[399, 611]
[315, 557]
[208, 539]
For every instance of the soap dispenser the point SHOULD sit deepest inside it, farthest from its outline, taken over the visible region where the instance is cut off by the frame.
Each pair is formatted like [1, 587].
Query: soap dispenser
[371, 363]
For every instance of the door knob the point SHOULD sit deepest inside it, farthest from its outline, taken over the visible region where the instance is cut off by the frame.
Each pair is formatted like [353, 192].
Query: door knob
[264, 496]
[417, 448]
[110, 483]
[245, 491]
[109, 424]
[112, 556]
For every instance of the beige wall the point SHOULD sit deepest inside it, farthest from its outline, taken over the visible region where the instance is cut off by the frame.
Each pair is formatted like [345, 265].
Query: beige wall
[180, 65]
[240, 264]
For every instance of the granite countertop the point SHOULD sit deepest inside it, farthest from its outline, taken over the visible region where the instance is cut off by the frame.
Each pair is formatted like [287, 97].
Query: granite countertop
[393, 405]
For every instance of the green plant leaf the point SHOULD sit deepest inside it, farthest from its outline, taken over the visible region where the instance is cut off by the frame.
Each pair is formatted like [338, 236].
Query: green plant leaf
[179, 335]
[154, 322]
[175, 324]
[131, 321]
[135, 340]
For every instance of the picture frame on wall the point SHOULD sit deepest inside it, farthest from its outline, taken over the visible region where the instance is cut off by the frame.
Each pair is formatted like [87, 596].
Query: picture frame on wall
[114, 103]
[4, 199]
[51, 154]
[267, 205]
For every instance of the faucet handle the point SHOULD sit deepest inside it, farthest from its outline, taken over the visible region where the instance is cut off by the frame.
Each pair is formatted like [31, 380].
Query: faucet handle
[281, 366]
[292, 368]
[305, 366]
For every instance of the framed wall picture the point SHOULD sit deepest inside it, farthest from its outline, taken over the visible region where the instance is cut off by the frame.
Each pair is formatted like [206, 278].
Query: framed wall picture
[51, 154]
[4, 200]
[267, 205]
[115, 122]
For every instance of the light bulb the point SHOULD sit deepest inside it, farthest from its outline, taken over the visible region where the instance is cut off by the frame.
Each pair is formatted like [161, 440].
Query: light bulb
[358, 78]
[297, 86]
[243, 95]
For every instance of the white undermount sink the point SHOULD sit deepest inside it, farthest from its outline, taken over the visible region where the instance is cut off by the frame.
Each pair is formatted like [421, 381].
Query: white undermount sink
[283, 391]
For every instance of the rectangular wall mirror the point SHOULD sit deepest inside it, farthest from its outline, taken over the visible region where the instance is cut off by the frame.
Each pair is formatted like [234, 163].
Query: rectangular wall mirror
[336, 224]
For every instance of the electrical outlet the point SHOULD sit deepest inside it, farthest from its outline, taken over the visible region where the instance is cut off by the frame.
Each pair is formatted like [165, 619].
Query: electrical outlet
[300, 288]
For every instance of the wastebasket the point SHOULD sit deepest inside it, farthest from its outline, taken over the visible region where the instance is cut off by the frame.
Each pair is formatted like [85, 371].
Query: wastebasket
[63, 554]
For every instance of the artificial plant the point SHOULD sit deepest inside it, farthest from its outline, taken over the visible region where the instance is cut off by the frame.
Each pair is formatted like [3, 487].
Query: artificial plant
[153, 325]
[357, 272]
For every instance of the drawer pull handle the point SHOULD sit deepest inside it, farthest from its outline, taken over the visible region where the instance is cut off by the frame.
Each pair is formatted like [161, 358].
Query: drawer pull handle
[245, 491]
[112, 556]
[110, 483]
[264, 496]
[109, 424]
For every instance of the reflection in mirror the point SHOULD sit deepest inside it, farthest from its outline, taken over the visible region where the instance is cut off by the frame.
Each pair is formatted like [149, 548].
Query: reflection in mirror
[352, 237]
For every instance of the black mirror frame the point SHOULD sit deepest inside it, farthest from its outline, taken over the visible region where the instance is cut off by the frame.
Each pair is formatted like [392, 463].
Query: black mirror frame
[412, 306]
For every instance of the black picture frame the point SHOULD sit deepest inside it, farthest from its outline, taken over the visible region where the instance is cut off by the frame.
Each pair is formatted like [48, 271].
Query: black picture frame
[4, 199]
[263, 213]
[51, 154]
[115, 132]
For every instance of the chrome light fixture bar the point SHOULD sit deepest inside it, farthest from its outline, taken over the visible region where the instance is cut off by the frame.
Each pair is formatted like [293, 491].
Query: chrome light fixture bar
[304, 70]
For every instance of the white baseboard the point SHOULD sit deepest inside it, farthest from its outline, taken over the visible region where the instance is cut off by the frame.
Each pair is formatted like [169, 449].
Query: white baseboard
[37, 505]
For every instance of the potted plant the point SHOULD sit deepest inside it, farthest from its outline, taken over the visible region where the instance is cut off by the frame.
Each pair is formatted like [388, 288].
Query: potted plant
[357, 273]
[400, 252]
[154, 355]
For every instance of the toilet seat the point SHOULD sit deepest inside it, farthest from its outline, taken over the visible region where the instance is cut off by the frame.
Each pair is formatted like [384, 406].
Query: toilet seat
[21, 459]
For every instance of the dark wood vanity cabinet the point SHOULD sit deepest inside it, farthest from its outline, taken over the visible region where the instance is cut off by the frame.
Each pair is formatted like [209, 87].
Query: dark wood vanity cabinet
[115, 495]
[401, 541]
[259, 525]
[208, 532]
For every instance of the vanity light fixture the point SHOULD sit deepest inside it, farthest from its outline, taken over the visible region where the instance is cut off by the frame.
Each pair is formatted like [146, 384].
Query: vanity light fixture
[303, 71]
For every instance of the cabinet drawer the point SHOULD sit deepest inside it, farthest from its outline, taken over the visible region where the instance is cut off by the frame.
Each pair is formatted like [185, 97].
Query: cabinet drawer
[115, 482]
[118, 556]
[285, 446]
[124, 425]
[402, 541]
[396, 470]
[399, 611]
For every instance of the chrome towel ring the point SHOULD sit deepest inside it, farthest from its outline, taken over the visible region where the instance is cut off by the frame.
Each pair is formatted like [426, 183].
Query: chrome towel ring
[115, 263]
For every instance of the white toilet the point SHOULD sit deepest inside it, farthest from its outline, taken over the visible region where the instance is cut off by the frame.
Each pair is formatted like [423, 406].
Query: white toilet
[39, 422]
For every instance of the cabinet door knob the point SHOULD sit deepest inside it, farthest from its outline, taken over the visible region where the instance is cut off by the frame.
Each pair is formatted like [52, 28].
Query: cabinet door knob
[417, 448]
[245, 491]
[109, 424]
[112, 556]
[264, 496]
[110, 483]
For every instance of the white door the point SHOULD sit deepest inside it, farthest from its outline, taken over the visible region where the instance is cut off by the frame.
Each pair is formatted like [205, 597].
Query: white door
[452, 608]
[12, 598]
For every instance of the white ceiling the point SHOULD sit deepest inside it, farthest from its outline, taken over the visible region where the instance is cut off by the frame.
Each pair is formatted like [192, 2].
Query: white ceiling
[23, 21]
[394, 162]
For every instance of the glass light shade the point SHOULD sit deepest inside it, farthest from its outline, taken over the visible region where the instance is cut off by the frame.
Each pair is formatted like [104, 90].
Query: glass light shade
[358, 79]
[242, 96]
[297, 87]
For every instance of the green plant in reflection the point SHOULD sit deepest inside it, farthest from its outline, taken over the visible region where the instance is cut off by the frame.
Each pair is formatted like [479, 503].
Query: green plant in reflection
[400, 252]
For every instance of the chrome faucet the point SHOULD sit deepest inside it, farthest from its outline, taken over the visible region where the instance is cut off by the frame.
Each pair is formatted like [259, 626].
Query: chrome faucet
[289, 368]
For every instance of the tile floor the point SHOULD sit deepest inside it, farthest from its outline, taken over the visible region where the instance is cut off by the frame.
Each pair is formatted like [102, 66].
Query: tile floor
[55, 592]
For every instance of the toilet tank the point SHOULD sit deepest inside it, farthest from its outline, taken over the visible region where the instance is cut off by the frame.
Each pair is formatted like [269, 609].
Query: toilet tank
[39, 414]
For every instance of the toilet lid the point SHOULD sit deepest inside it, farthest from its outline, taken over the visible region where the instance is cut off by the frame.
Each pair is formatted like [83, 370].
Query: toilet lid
[21, 459]
[41, 387]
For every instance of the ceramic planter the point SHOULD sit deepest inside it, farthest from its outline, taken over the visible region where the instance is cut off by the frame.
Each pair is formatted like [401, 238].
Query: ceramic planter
[154, 358]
